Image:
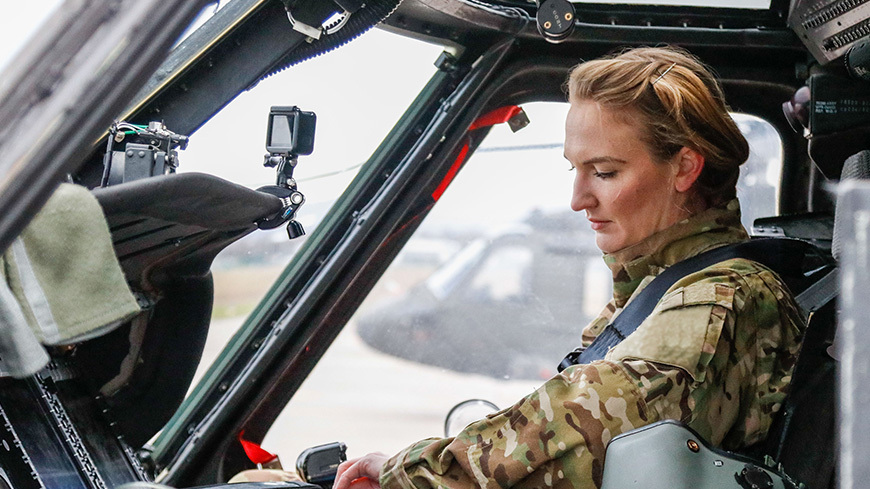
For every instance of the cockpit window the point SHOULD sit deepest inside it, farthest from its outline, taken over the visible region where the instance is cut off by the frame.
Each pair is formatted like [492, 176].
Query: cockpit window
[231, 146]
[758, 185]
[445, 279]
[504, 275]
[20, 21]
[207, 13]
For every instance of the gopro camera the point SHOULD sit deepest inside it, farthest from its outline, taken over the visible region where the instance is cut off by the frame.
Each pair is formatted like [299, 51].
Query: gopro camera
[291, 131]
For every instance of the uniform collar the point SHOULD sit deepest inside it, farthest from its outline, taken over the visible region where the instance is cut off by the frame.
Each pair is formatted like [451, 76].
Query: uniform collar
[714, 227]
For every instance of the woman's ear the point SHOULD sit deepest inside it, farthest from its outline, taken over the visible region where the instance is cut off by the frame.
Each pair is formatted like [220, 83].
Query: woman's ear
[689, 164]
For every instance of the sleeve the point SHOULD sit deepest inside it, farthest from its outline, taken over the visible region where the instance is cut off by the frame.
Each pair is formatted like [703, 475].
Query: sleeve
[554, 437]
[751, 372]
[694, 330]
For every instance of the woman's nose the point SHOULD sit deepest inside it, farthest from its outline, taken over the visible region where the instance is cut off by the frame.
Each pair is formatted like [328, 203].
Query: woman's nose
[581, 197]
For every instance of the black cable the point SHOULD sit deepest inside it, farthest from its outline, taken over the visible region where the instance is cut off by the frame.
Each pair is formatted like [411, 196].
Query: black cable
[107, 159]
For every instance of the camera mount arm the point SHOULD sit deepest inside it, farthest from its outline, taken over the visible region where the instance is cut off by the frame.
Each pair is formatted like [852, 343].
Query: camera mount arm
[290, 134]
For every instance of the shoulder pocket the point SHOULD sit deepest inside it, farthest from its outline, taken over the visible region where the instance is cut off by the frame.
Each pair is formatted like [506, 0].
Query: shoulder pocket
[682, 330]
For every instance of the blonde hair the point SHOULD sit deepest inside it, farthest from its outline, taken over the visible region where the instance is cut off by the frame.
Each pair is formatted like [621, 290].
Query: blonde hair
[680, 104]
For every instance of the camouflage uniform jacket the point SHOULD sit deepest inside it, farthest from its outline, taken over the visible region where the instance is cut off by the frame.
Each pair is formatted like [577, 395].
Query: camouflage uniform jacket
[716, 353]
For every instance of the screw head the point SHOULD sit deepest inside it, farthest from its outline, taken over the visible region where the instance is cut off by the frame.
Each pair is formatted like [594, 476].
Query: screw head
[693, 446]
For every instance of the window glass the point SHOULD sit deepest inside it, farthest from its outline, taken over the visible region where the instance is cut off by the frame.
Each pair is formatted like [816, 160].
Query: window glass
[446, 278]
[491, 321]
[758, 185]
[207, 13]
[594, 295]
[504, 276]
[231, 145]
[20, 22]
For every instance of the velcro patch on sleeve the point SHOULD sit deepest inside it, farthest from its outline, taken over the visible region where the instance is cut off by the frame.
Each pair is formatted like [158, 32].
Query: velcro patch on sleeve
[682, 331]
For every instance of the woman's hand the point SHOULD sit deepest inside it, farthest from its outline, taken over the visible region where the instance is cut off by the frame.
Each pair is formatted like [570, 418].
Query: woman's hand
[362, 472]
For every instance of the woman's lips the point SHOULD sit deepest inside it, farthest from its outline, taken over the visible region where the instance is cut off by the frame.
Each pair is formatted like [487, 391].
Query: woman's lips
[596, 224]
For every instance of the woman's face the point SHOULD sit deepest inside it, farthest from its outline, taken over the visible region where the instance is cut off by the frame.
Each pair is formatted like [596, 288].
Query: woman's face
[626, 194]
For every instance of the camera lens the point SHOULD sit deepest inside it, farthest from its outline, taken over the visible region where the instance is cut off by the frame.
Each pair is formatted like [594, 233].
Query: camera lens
[797, 109]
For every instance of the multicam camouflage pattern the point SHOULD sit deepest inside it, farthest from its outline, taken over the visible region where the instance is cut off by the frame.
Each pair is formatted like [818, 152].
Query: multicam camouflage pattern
[716, 353]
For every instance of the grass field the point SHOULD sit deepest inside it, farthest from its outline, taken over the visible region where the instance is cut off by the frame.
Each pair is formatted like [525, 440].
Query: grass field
[237, 291]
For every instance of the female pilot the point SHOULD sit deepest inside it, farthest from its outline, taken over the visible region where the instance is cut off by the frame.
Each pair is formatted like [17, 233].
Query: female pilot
[655, 158]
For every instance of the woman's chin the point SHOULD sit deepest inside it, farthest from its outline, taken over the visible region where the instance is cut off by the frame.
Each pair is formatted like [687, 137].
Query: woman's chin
[607, 244]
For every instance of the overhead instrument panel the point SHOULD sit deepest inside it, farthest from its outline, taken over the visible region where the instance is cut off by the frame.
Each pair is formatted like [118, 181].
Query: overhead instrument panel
[830, 27]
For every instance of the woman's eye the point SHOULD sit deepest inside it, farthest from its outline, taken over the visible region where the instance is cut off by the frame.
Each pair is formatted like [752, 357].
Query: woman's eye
[604, 175]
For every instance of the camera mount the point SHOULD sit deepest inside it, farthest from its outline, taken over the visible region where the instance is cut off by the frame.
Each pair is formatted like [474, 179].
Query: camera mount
[290, 134]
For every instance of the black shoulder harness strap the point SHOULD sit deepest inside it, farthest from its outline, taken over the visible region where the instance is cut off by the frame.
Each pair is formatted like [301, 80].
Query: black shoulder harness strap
[783, 256]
